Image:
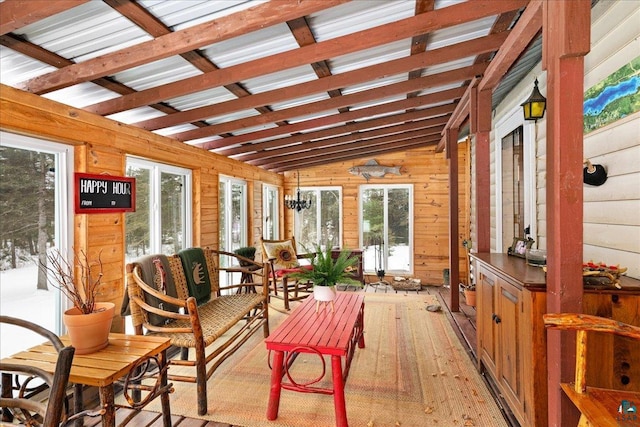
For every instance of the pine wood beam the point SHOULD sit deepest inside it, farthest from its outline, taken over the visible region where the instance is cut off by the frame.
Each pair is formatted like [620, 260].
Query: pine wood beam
[454, 221]
[366, 152]
[403, 87]
[354, 132]
[349, 78]
[15, 14]
[444, 96]
[388, 33]
[248, 20]
[345, 143]
[525, 30]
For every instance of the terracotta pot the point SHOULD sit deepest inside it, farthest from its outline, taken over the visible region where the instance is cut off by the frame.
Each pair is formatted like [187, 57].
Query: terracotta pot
[470, 297]
[89, 332]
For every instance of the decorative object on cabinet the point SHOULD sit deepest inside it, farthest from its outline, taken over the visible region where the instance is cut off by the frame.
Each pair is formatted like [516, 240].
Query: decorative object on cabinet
[536, 257]
[601, 274]
[519, 246]
[595, 175]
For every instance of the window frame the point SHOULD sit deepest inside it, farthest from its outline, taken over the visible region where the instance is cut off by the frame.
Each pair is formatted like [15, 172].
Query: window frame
[155, 214]
[386, 188]
[503, 128]
[318, 207]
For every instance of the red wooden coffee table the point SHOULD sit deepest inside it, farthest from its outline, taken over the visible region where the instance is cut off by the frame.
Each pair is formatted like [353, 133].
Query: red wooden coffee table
[324, 333]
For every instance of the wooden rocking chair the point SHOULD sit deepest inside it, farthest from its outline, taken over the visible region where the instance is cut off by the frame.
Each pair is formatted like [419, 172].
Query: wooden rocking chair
[284, 260]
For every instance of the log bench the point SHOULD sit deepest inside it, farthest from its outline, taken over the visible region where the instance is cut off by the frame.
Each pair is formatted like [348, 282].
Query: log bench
[601, 407]
[180, 297]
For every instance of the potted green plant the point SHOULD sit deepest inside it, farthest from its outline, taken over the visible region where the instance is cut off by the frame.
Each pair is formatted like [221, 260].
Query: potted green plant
[326, 271]
[88, 322]
[247, 252]
[469, 293]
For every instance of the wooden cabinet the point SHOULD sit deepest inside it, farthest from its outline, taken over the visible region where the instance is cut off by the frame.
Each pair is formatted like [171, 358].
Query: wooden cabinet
[512, 340]
[501, 324]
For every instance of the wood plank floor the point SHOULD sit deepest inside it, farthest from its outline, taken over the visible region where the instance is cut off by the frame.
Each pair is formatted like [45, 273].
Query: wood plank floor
[463, 322]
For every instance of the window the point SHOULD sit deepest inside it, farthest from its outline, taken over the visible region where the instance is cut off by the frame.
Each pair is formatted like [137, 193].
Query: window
[161, 222]
[270, 212]
[35, 185]
[515, 180]
[387, 228]
[320, 224]
[232, 211]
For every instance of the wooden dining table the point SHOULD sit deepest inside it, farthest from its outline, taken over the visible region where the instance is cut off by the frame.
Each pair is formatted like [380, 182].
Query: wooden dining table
[123, 360]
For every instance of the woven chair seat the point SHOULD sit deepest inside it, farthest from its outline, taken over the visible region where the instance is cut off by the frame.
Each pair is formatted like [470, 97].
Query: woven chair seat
[221, 314]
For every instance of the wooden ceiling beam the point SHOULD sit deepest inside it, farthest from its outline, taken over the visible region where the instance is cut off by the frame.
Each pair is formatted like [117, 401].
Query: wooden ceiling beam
[224, 28]
[45, 56]
[525, 30]
[339, 150]
[446, 96]
[388, 33]
[320, 160]
[343, 142]
[327, 84]
[400, 88]
[15, 14]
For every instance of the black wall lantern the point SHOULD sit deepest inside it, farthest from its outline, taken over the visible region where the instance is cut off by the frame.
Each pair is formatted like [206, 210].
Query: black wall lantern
[535, 106]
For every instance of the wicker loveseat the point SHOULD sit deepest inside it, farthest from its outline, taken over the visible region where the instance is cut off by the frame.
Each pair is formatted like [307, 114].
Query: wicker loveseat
[179, 297]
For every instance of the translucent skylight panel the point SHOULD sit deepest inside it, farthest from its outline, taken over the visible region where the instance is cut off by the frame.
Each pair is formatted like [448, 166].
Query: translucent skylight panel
[157, 73]
[136, 115]
[184, 14]
[285, 78]
[291, 103]
[16, 67]
[200, 99]
[357, 16]
[372, 84]
[372, 56]
[80, 95]
[251, 46]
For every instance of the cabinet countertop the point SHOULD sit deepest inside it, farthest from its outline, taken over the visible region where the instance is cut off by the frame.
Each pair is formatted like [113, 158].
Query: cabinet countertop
[535, 279]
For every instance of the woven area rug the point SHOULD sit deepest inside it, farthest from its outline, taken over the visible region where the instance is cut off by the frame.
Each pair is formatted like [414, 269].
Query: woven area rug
[412, 372]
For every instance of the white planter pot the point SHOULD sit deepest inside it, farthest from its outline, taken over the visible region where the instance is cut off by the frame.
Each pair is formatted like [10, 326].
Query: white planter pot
[324, 293]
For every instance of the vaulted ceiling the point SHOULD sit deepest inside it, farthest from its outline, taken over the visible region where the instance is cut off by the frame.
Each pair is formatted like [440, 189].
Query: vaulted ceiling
[279, 84]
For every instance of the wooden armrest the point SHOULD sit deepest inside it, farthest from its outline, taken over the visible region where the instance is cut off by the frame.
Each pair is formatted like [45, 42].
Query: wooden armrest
[587, 322]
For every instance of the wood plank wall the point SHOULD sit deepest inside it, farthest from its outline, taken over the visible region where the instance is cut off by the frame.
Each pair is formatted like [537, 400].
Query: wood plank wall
[101, 146]
[427, 171]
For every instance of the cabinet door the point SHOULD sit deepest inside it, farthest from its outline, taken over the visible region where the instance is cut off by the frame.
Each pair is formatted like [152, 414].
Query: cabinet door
[485, 315]
[510, 358]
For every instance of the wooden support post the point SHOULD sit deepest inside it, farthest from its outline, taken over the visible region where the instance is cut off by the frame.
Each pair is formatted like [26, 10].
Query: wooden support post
[566, 30]
[454, 241]
[481, 121]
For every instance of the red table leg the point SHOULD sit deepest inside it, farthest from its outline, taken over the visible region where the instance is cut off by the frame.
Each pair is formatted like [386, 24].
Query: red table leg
[276, 385]
[338, 392]
[361, 321]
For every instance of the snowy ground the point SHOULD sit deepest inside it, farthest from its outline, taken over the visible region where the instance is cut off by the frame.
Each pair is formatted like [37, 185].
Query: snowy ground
[20, 298]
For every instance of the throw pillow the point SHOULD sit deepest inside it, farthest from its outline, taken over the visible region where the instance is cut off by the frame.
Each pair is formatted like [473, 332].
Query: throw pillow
[283, 253]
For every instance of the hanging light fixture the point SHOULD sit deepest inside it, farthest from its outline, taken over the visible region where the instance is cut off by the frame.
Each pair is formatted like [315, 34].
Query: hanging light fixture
[535, 106]
[298, 203]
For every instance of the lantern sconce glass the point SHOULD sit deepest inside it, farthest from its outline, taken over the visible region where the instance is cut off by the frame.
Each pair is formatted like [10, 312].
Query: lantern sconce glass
[535, 106]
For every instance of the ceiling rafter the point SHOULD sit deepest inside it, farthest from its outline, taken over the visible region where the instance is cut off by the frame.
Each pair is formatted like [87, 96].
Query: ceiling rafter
[445, 96]
[383, 34]
[394, 79]
[348, 131]
[15, 14]
[349, 142]
[175, 43]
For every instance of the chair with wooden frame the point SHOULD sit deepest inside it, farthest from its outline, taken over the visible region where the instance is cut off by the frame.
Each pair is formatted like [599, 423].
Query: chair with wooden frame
[284, 259]
[600, 407]
[30, 406]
